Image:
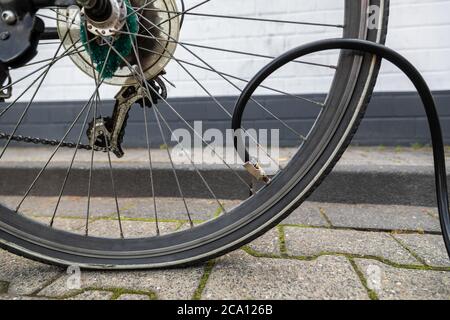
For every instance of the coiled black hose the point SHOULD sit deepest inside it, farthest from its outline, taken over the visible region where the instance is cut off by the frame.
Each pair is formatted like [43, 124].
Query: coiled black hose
[363, 46]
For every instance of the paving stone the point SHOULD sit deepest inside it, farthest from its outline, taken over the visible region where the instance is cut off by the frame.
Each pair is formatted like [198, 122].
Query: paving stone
[241, 276]
[383, 217]
[69, 206]
[131, 229]
[268, 243]
[430, 248]
[93, 295]
[24, 276]
[314, 241]
[174, 209]
[4, 287]
[66, 224]
[8, 297]
[166, 284]
[405, 284]
[133, 297]
[307, 214]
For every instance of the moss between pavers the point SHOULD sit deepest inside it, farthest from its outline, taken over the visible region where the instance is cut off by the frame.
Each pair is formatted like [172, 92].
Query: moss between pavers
[116, 293]
[372, 294]
[4, 285]
[124, 218]
[411, 252]
[257, 254]
[282, 240]
[104, 216]
[324, 215]
[394, 231]
[219, 211]
[204, 280]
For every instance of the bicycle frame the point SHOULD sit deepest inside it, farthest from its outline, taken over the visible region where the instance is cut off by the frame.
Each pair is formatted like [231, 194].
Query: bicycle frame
[21, 30]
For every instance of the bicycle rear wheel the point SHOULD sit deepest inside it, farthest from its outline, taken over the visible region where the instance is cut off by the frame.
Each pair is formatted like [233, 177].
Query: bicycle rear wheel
[351, 81]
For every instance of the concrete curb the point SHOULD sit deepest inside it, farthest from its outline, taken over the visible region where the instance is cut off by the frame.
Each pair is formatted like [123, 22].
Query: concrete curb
[402, 185]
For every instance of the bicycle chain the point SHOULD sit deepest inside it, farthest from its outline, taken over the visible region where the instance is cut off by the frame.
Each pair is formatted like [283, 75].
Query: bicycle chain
[73, 145]
[48, 142]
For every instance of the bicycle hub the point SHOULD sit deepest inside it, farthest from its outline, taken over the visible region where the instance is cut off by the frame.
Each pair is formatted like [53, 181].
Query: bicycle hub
[147, 35]
[104, 17]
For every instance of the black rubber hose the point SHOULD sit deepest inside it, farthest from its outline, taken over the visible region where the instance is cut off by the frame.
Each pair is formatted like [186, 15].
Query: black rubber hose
[409, 70]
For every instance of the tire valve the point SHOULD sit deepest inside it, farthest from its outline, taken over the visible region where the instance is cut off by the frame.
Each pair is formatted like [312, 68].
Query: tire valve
[257, 171]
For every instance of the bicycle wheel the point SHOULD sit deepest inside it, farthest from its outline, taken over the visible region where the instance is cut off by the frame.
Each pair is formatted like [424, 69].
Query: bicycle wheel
[140, 52]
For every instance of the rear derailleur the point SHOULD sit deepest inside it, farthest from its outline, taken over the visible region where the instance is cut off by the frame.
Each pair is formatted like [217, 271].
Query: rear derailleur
[107, 133]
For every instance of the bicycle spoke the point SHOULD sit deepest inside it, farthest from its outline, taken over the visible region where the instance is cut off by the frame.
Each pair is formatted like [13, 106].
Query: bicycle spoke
[53, 18]
[178, 58]
[302, 137]
[91, 167]
[89, 191]
[320, 104]
[73, 52]
[62, 140]
[192, 163]
[40, 15]
[142, 79]
[150, 164]
[177, 114]
[136, 9]
[59, 15]
[13, 103]
[41, 81]
[251, 54]
[174, 170]
[199, 14]
[30, 188]
[22, 116]
[175, 16]
[163, 138]
[207, 92]
[299, 135]
[135, 50]
[49, 43]
[52, 62]
[66, 177]
[113, 185]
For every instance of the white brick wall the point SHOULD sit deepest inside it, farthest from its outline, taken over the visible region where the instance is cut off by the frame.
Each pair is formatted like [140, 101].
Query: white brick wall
[418, 29]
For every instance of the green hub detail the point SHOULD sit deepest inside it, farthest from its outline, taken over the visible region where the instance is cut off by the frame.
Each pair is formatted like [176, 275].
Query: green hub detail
[107, 61]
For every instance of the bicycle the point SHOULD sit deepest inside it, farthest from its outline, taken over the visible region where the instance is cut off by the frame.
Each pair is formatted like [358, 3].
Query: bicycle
[132, 44]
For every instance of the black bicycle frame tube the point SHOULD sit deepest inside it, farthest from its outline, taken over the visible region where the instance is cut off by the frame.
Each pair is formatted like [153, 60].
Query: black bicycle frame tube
[32, 6]
[409, 70]
[19, 5]
[54, 3]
